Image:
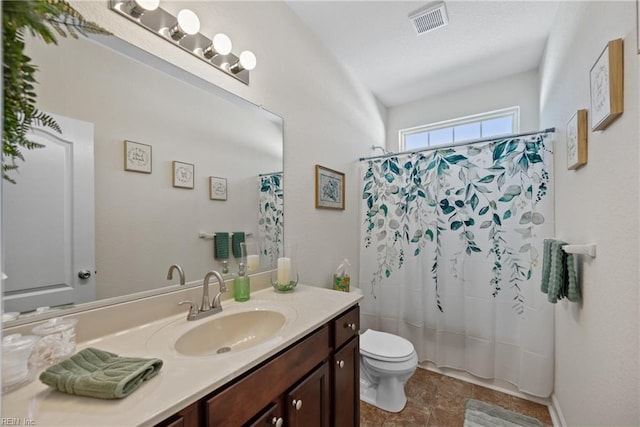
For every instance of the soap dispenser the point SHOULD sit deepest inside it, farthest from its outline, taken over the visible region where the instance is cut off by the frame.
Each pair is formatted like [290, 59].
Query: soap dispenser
[241, 286]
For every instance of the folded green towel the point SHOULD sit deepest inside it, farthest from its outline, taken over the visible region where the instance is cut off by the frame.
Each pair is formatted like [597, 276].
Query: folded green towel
[236, 238]
[97, 373]
[221, 245]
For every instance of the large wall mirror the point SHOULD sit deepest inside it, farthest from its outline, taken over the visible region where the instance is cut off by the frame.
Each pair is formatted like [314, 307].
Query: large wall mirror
[141, 217]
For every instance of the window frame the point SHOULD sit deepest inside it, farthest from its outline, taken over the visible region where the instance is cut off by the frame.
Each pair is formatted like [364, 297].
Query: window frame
[514, 112]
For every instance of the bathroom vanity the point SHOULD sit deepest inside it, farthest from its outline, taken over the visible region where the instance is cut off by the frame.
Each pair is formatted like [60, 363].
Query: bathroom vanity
[314, 382]
[306, 374]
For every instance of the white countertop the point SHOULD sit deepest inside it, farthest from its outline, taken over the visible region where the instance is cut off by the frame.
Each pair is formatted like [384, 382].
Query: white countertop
[182, 380]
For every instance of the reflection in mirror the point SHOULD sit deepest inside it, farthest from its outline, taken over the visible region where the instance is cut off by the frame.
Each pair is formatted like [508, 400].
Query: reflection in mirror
[151, 210]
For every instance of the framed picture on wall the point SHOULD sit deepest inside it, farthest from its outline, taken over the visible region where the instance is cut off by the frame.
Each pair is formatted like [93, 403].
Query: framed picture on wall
[217, 188]
[577, 140]
[137, 157]
[329, 188]
[183, 175]
[606, 81]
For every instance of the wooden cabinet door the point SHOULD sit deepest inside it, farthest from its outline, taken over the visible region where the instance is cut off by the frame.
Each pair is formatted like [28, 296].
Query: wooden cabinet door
[346, 385]
[272, 417]
[308, 403]
[188, 417]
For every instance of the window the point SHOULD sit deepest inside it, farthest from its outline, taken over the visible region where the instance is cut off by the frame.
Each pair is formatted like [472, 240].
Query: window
[493, 123]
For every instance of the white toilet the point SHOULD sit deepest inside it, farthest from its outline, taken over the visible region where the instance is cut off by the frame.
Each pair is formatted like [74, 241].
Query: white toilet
[387, 361]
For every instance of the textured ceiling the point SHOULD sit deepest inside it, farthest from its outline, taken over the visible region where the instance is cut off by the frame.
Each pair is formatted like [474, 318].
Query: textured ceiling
[484, 40]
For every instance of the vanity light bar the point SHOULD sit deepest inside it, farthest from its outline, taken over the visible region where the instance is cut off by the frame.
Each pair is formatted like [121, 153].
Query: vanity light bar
[183, 31]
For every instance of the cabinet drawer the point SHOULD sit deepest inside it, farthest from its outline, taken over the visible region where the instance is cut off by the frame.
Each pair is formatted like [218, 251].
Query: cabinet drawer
[346, 326]
[237, 404]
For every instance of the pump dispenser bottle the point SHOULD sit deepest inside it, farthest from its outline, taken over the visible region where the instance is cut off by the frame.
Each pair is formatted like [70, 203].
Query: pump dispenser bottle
[241, 286]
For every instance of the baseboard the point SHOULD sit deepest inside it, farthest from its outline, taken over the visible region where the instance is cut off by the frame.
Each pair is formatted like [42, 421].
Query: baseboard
[556, 413]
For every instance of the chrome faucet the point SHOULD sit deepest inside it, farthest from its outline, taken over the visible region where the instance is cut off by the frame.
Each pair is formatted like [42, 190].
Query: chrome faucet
[180, 273]
[206, 308]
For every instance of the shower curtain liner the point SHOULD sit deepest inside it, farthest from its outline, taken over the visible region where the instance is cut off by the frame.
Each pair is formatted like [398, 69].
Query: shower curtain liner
[451, 255]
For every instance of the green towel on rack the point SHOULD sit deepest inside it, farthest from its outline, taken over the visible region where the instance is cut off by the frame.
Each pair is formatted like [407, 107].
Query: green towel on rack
[559, 276]
[236, 238]
[97, 373]
[221, 245]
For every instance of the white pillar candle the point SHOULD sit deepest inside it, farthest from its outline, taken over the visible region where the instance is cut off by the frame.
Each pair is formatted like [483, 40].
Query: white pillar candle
[253, 262]
[284, 271]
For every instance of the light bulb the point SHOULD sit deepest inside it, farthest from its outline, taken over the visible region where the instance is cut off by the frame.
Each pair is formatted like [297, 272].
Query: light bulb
[188, 24]
[248, 60]
[136, 8]
[221, 45]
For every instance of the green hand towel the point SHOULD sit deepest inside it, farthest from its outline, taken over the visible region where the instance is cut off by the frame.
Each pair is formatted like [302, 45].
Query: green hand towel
[236, 238]
[97, 373]
[221, 245]
[573, 288]
[546, 265]
[557, 272]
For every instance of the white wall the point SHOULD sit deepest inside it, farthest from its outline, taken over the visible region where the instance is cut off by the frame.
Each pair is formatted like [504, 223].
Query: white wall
[329, 118]
[596, 371]
[517, 90]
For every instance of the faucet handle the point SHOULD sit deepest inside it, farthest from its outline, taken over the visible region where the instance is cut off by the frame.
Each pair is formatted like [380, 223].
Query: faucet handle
[193, 308]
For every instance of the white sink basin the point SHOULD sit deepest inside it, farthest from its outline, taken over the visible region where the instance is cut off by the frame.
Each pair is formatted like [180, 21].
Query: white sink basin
[228, 332]
[234, 332]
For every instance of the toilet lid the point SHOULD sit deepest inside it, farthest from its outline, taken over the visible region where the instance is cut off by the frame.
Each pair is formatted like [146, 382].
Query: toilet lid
[384, 345]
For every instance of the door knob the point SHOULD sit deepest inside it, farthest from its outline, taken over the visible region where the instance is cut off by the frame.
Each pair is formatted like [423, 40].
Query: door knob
[340, 363]
[84, 274]
[277, 422]
[352, 326]
[297, 404]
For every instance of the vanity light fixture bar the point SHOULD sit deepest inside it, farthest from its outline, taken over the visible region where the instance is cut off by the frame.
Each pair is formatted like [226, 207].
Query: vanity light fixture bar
[183, 31]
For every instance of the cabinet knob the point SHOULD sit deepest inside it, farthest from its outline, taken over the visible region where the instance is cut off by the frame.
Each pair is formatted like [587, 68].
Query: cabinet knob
[351, 326]
[277, 422]
[297, 403]
[340, 363]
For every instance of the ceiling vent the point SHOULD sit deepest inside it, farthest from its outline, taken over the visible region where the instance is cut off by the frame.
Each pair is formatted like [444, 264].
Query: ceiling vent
[429, 18]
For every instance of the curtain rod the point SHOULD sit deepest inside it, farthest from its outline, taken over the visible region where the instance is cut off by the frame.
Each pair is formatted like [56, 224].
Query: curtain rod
[272, 173]
[457, 144]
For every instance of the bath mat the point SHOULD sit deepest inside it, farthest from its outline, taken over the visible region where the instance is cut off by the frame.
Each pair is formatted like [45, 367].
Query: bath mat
[481, 414]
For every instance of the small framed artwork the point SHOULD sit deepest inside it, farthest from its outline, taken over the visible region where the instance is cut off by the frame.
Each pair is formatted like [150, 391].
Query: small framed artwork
[329, 188]
[137, 157]
[606, 80]
[183, 175]
[577, 140]
[217, 188]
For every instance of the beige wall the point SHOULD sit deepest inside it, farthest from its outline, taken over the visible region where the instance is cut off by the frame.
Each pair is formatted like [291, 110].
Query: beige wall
[329, 118]
[596, 370]
[517, 90]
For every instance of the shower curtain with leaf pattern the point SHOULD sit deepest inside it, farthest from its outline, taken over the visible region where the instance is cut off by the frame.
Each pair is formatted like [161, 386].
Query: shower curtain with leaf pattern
[271, 215]
[451, 256]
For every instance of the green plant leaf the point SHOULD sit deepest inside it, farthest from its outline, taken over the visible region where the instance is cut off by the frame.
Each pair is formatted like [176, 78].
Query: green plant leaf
[456, 225]
[484, 210]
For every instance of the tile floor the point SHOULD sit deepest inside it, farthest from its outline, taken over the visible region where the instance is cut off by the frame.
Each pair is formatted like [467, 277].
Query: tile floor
[437, 400]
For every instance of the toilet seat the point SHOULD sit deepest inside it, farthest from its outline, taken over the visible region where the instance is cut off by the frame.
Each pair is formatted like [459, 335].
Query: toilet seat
[385, 347]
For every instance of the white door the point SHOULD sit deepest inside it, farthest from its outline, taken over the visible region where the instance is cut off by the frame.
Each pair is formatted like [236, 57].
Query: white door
[48, 221]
